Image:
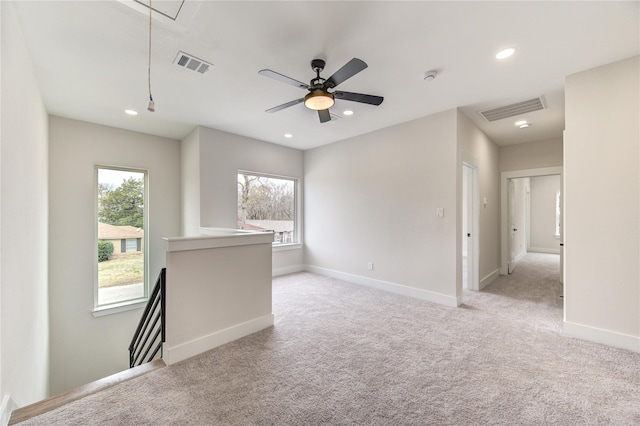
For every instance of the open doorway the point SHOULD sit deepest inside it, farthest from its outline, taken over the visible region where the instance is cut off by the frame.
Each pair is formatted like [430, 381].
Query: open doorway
[516, 219]
[470, 228]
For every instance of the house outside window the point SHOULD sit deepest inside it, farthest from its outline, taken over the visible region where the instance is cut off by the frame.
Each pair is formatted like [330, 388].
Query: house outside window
[121, 219]
[268, 203]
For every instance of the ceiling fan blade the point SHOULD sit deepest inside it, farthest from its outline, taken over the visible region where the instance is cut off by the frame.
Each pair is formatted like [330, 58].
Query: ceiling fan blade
[324, 115]
[348, 70]
[283, 79]
[359, 97]
[287, 105]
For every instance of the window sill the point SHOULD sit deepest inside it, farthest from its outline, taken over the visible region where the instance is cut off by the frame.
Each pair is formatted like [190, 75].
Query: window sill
[115, 308]
[284, 247]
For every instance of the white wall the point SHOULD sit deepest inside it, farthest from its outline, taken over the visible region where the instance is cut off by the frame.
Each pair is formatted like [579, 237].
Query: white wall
[477, 149]
[24, 315]
[190, 183]
[218, 290]
[84, 348]
[532, 155]
[602, 204]
[543, 214]
[221, 156]
[373, 198]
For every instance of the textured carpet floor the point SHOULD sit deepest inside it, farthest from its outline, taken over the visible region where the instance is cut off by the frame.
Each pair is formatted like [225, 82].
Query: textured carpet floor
[343, 354]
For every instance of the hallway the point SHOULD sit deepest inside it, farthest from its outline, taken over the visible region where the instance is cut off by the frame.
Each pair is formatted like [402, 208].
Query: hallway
[532, 291]
[535, 278]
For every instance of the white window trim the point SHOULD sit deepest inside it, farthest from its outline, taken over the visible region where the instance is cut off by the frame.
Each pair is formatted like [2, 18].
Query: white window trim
[131, 304]
[115, 308]
[286, 246]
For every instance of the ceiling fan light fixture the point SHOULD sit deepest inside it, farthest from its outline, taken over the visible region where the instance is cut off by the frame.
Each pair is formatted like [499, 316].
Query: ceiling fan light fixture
[319, 100]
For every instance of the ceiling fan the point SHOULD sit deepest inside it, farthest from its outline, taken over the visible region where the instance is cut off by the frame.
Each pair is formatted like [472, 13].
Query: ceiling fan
[320, 98]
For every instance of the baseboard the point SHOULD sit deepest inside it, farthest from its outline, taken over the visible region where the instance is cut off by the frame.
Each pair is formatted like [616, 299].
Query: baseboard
[598, 335]
[287, 270]
[213, 340]
[519, 256]
[544, 250]
[8, 405]
[489, 279]
[416, 293]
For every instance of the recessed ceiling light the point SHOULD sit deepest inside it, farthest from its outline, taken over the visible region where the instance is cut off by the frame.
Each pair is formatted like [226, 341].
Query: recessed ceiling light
[521, 122]
[524, 126]
[131, 112]
[504, 54]
[288, 135]
[348, 112]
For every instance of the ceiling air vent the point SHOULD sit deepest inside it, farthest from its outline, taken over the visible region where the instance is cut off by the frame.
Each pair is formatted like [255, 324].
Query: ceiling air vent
[512, 110]
[191, 62]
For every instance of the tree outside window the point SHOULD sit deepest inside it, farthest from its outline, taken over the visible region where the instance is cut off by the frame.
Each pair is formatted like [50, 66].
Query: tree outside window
[267, 203]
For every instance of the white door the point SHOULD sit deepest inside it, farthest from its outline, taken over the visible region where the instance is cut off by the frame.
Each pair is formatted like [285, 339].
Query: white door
[512, 226]
[518, 214]
[470, 221]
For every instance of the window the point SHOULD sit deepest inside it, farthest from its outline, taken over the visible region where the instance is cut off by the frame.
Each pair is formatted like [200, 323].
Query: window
[131, 244]
[268, 203]
[121, 244]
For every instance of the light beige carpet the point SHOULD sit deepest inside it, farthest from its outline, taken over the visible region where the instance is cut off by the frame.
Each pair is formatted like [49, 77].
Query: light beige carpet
[343, 354]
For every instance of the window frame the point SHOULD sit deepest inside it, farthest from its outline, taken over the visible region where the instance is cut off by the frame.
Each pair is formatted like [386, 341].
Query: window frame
[297, 243]
[128, 304]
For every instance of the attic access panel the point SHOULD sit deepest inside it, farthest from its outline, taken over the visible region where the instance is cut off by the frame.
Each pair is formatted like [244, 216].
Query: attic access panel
[168, 8]
[178, 14]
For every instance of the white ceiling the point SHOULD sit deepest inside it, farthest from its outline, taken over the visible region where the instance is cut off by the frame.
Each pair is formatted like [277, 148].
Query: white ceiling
[91, 61]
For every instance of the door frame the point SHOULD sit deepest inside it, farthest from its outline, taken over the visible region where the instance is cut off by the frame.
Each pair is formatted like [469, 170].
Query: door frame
[473, 219]
[504, 206]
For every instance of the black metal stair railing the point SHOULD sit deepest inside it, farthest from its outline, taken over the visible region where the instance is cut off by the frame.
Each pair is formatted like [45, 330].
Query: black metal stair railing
[147, 341]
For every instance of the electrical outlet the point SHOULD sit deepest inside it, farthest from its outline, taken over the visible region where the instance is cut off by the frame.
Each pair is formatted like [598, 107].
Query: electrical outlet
[370, 266]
